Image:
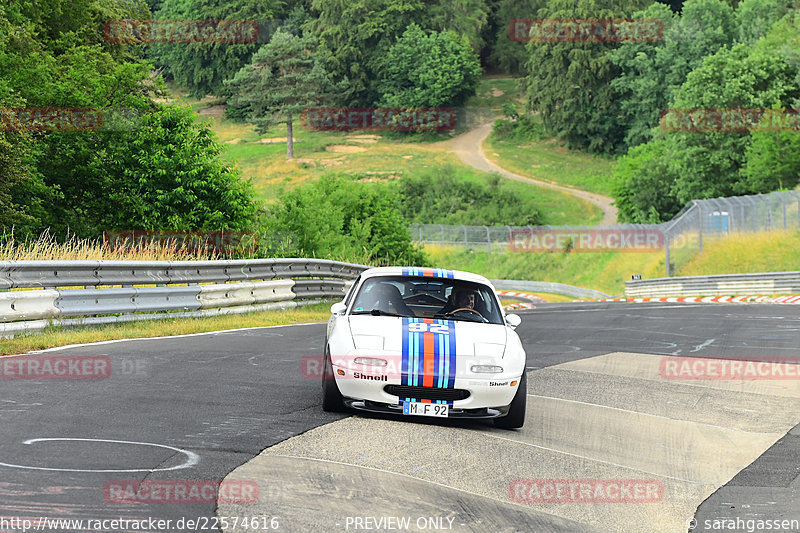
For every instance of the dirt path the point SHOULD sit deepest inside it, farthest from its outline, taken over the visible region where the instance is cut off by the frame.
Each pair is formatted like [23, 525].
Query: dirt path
[469, 148]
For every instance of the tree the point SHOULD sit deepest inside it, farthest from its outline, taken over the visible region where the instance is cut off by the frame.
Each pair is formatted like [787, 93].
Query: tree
[507, 52]
[354, 37]
[169, 175]
[466, 18]
[569, 82]
[754, 18]
[338, 218]
[429, 70]
[650, 72]
[772, 160]
[155, 169]
[202, 67]
[441, 196]
[643, 184]
[162, 172]
[58, 25]
[703, 164]
[744, 77]
[283, 79]
[22, 192]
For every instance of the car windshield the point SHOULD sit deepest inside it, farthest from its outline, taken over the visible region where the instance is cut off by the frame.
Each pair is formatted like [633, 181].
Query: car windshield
[421, 297]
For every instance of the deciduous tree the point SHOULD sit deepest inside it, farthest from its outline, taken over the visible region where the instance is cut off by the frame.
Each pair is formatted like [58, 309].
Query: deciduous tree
[427, 69]
[284, 78]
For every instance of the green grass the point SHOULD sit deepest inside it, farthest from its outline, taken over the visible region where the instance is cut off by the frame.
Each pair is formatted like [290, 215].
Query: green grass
[607, 272]
[547, 160]
[488, 94]
[745, 253]
[386, 158]
[157, 328]
[374, 155]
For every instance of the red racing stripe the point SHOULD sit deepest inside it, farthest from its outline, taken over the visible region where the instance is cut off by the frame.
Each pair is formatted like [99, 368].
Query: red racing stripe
[428, 358]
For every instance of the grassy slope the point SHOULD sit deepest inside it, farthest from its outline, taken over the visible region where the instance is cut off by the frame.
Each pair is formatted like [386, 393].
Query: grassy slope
[602, 271]
[379, 155]
[762, 252]
[388, 157]
[548, 161]
[392, 154]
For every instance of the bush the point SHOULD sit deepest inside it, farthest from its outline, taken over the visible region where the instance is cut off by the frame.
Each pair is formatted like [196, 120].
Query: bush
[518, 128]
[441, 196]
[337, 218]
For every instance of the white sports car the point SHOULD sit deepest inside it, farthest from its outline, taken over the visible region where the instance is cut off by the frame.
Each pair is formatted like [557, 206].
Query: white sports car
[426, 342]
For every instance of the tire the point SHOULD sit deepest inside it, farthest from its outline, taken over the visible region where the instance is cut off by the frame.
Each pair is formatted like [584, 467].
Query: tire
[332, 401]
[516, 411]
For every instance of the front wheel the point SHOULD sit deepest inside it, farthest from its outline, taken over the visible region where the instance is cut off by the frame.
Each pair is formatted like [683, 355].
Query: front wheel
[516, 411]
[331, 397]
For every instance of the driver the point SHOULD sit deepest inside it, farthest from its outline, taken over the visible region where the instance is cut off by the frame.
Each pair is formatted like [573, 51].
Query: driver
[466, 298]
[462, 298]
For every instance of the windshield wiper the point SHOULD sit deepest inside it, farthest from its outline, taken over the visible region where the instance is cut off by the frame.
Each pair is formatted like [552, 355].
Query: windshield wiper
[376, 312]
[462, 318]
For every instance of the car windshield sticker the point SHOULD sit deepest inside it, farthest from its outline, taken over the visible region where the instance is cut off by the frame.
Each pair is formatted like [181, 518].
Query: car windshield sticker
[429, 355]
[428, 272]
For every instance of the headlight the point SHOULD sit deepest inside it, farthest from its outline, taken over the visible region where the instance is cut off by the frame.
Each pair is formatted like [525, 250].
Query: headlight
[487, 369]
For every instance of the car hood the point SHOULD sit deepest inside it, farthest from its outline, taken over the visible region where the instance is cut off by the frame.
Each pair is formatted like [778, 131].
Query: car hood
[384, 335]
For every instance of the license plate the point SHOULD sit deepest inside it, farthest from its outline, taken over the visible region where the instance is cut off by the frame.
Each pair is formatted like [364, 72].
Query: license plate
[426, 409]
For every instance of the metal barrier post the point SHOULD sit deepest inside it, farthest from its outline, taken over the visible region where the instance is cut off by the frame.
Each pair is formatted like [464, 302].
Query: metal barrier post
[666, 247]
[783, 205]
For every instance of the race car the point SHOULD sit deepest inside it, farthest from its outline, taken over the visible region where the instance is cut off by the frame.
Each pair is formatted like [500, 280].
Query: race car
[424, 342]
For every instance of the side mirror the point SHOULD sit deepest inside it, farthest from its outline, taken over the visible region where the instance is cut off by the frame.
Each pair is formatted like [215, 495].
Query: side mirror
[338, 308]
[513, 320]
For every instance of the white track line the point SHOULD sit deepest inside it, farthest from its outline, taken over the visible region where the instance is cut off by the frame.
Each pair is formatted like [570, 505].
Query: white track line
[112, 341]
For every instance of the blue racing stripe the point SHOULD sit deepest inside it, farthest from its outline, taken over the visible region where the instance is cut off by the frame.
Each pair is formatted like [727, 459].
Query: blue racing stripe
[413, 356]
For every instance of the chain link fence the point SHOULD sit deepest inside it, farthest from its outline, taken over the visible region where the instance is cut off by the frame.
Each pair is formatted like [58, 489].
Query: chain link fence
[698, 220]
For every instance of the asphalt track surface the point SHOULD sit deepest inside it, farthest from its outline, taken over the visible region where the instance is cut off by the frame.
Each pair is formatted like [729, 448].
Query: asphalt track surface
[237, 405]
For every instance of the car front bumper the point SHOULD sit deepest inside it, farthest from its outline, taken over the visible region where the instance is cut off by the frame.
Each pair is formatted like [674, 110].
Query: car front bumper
[488, 396]
[397, 409]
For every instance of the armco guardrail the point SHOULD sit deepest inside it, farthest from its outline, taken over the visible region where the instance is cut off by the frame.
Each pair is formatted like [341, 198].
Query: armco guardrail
[769, 283]
[548, 287]
[39, 293]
